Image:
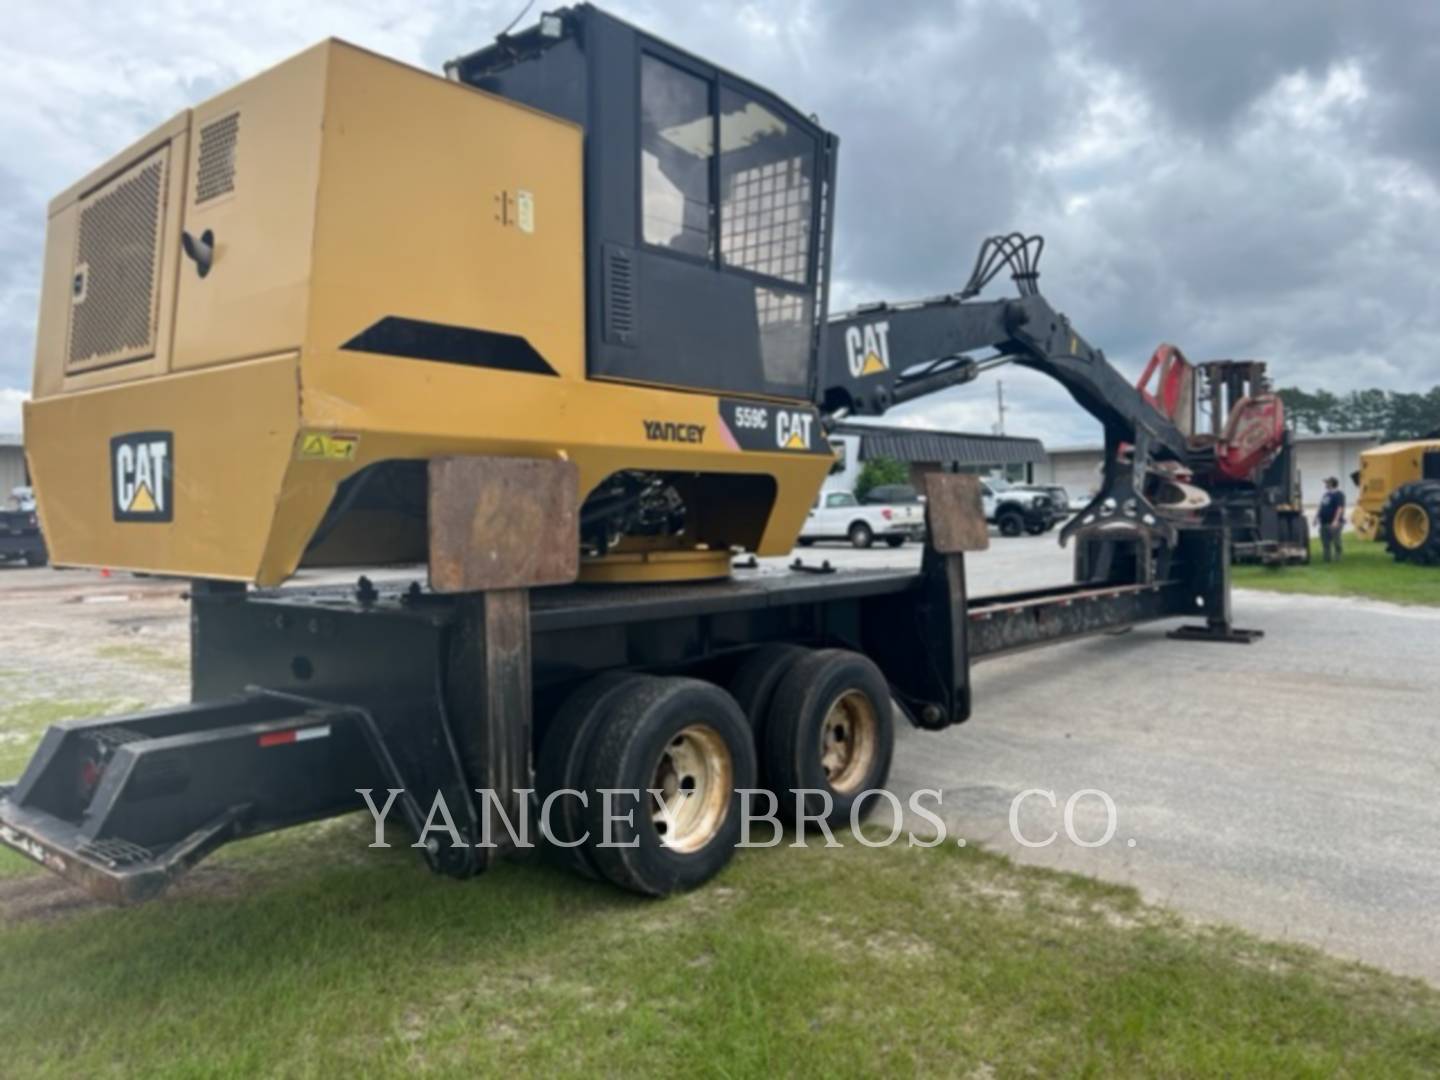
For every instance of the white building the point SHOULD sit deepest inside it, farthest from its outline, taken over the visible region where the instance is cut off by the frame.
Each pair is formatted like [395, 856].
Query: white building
[1333, 453]
[926, 451]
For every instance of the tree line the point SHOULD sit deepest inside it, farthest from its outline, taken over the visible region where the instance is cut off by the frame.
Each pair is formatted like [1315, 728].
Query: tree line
[1396, 414]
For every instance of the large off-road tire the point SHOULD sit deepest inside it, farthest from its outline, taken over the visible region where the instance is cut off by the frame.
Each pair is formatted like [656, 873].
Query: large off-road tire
[830, 728]
[894, 541]
[1035, 528]
[690, 740]
[1010, 522]
[861, 535]
[1411, 522]
[564, 753]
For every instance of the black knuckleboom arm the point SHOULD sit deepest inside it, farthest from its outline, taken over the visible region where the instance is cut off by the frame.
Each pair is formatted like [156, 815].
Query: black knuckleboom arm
[883, 355]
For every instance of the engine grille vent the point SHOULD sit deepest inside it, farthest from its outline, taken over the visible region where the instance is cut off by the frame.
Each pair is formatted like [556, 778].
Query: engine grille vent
[215, 173]
[117, 257]
[619, 296]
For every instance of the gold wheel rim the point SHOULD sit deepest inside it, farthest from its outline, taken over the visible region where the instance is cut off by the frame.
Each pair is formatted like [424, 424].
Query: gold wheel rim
[691, 788]
[848, 741]
[1412, 526]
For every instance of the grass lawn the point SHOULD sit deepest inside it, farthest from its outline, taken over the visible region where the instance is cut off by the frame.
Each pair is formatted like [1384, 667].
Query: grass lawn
[306, 954]
[1366, 570]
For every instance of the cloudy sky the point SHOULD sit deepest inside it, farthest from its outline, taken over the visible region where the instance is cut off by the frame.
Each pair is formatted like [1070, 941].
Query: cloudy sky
[1242, 179]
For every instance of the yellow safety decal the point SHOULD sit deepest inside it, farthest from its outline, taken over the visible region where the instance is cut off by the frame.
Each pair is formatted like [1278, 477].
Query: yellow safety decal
[322, 446]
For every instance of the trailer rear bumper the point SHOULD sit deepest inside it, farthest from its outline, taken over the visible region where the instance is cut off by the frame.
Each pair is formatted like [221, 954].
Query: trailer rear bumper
[113, 870]
[123, 805]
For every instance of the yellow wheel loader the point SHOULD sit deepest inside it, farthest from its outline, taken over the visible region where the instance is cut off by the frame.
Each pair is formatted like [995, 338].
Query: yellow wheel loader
[1399, 500]
[553, 330]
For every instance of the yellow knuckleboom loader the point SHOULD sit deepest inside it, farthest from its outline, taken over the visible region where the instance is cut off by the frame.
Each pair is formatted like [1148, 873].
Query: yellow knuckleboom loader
[552, 330]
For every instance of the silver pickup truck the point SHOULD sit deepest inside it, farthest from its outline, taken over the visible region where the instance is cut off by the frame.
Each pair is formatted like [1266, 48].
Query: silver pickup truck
[1014, 509]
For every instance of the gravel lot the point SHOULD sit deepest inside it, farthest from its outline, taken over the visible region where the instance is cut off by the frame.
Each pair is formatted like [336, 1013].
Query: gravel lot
[1288, 786]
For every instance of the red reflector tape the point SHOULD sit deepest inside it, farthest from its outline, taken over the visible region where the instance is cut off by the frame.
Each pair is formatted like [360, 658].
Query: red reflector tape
[284, 738]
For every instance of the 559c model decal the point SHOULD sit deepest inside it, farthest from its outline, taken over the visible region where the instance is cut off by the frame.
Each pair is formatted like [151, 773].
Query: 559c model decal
[750, 425]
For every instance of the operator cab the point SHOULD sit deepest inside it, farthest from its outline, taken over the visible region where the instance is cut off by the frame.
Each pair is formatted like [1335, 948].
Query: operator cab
[704, 270]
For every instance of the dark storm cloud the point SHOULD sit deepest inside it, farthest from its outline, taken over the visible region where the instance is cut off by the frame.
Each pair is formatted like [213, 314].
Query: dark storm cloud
[1241, 178]
[1206, 64]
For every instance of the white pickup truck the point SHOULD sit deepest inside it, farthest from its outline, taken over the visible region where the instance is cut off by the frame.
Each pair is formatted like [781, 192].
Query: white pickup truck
[838, 515]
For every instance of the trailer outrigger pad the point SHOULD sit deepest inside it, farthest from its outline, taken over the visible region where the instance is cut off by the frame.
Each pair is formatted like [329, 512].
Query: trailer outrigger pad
[1223, 633]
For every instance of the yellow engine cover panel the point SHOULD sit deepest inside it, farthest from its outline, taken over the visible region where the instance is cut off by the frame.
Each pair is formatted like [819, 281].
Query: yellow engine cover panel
[442, 207]
[138, 477]
[252, 190]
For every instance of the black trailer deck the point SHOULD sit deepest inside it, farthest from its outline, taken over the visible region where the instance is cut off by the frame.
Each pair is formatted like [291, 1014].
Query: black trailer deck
[301, 697]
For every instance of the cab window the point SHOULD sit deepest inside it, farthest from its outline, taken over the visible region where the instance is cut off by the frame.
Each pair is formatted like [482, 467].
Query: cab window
[677, 137]
[840, 498]
[766, 179]
[759, 220]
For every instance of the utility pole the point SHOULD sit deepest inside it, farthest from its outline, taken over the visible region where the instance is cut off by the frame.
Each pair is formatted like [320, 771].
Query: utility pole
[1000, 407]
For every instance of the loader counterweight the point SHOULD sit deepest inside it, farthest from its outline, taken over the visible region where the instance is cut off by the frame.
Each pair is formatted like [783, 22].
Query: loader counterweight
[344, 268]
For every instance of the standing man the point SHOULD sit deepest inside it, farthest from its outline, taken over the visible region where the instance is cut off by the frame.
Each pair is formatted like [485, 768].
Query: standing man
[1331, 518]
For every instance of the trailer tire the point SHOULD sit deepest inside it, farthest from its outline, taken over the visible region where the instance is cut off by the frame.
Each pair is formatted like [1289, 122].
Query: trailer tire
[564, 752]
[809, 745]
[754, 682]
[679, 735]
[861, 535]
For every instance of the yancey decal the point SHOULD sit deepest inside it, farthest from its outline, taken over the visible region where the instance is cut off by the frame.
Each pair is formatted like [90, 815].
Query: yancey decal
[747, 425]
[142, 476]
[670, 431]
[867, 348]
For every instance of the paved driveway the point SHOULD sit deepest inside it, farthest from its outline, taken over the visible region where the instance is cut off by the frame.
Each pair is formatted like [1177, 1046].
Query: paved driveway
[1291, 786]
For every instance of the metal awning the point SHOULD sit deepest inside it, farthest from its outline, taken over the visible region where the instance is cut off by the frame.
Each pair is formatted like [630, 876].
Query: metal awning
[917, 445]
